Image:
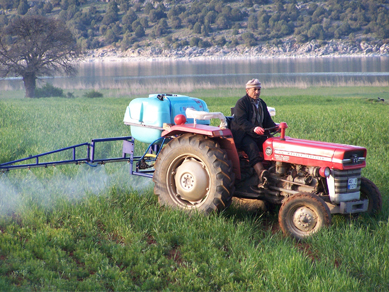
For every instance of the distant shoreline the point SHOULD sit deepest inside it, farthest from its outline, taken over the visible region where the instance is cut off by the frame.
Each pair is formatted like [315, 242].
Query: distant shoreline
[285, 51]
[114, 59]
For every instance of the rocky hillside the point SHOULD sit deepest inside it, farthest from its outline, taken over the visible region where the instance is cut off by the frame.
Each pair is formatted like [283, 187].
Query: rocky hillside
[288, 49]
[217, 28]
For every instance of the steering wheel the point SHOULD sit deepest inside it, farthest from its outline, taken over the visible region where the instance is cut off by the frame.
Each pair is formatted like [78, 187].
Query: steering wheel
[272, 130]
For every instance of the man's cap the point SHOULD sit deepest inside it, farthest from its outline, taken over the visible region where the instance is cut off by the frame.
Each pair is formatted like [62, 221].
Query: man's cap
[253, 83]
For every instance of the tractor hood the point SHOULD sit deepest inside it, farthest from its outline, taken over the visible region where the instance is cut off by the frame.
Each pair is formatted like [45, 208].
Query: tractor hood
[314, 153]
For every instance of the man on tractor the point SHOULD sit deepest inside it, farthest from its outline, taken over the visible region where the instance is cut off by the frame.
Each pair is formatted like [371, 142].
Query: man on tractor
[251, 117]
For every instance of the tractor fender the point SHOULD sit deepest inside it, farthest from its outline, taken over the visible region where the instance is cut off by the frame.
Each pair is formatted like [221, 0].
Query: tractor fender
[222, 136]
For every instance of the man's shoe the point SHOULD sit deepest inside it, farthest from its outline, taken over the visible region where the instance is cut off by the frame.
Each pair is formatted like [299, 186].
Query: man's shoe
[263, 179]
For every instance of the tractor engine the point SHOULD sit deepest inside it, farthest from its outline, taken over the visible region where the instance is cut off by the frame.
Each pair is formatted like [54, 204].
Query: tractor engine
[291, 179]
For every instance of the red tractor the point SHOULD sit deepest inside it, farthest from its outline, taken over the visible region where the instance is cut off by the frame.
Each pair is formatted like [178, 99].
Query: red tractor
[199, 168]
[196, 166]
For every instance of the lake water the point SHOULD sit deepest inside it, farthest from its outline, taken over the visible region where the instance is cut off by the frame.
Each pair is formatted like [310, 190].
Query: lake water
[273, 72]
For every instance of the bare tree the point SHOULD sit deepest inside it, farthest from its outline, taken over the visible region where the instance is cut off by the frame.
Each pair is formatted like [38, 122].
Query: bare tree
[34, 46]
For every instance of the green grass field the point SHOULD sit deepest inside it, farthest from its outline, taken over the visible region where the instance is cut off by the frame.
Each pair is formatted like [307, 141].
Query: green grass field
[77, 228]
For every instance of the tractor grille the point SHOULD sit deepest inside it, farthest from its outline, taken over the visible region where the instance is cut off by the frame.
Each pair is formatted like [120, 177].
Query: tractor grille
[347, 181]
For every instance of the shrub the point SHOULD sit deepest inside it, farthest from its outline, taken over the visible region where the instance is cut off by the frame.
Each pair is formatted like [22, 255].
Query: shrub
[301, 38]
[252, 22]
[221, 41]
[140, 31]
[222, 22]
[204, 44]
[176, 22]
[197, 28]
[236, 15]
[234, 42]
[316, 32]
[138, 6]
[48, 7]
[144, 22]
[135, 24]
[23, 7]
[148, 7]
[194, 42]
[184, 43]
[210, 17]
[129, 18]
[110, 37]
[249, 39]
[92, 94]
[205, 29]
[176, 45]
[125, 43]
[48, 90]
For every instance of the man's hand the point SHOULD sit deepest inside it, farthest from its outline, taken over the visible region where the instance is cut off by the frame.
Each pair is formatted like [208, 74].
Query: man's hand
[259, 130]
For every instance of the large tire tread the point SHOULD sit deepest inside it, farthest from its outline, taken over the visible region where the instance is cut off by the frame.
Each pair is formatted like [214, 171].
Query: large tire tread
[216, 158]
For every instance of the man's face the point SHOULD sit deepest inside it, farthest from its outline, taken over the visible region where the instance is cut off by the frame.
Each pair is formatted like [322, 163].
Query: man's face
[254, 92]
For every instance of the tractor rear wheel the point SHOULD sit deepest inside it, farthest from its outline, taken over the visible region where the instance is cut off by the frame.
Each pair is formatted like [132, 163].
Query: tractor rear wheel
[192, 172]
[370, 191]
[302, 215]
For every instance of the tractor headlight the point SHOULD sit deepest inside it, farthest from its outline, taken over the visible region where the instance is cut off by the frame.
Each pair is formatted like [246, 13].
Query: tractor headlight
[324, 172]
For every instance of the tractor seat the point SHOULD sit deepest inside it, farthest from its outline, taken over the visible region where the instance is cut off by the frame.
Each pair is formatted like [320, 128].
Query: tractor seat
[230, 118]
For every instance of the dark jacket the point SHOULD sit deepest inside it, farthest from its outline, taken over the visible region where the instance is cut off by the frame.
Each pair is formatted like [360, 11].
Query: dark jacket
[242, 124]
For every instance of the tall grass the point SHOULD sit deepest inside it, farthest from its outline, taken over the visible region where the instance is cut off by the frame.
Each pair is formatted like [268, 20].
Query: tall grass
[75, 228]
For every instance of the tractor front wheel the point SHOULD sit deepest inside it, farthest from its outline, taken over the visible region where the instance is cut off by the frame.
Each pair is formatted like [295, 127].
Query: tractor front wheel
[303, 214]
[192, 172]
[370, 191]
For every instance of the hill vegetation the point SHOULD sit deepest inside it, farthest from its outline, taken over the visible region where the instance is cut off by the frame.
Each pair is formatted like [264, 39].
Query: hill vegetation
[175, 24]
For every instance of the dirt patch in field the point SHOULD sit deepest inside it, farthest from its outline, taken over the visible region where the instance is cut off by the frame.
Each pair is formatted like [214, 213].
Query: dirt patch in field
[337, 263]
[150, 239]
[271, 224]
[308, 251]
[175, 255]
[76, 260]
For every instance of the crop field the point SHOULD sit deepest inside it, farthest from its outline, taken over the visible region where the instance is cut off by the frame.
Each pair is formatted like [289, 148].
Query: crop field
[78, 228]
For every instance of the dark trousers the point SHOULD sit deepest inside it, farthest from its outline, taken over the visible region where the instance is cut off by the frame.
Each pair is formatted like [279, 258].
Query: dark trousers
[252, 147]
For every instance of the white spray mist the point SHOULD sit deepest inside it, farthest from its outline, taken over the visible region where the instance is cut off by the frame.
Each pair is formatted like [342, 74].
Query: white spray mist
[16, 193]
